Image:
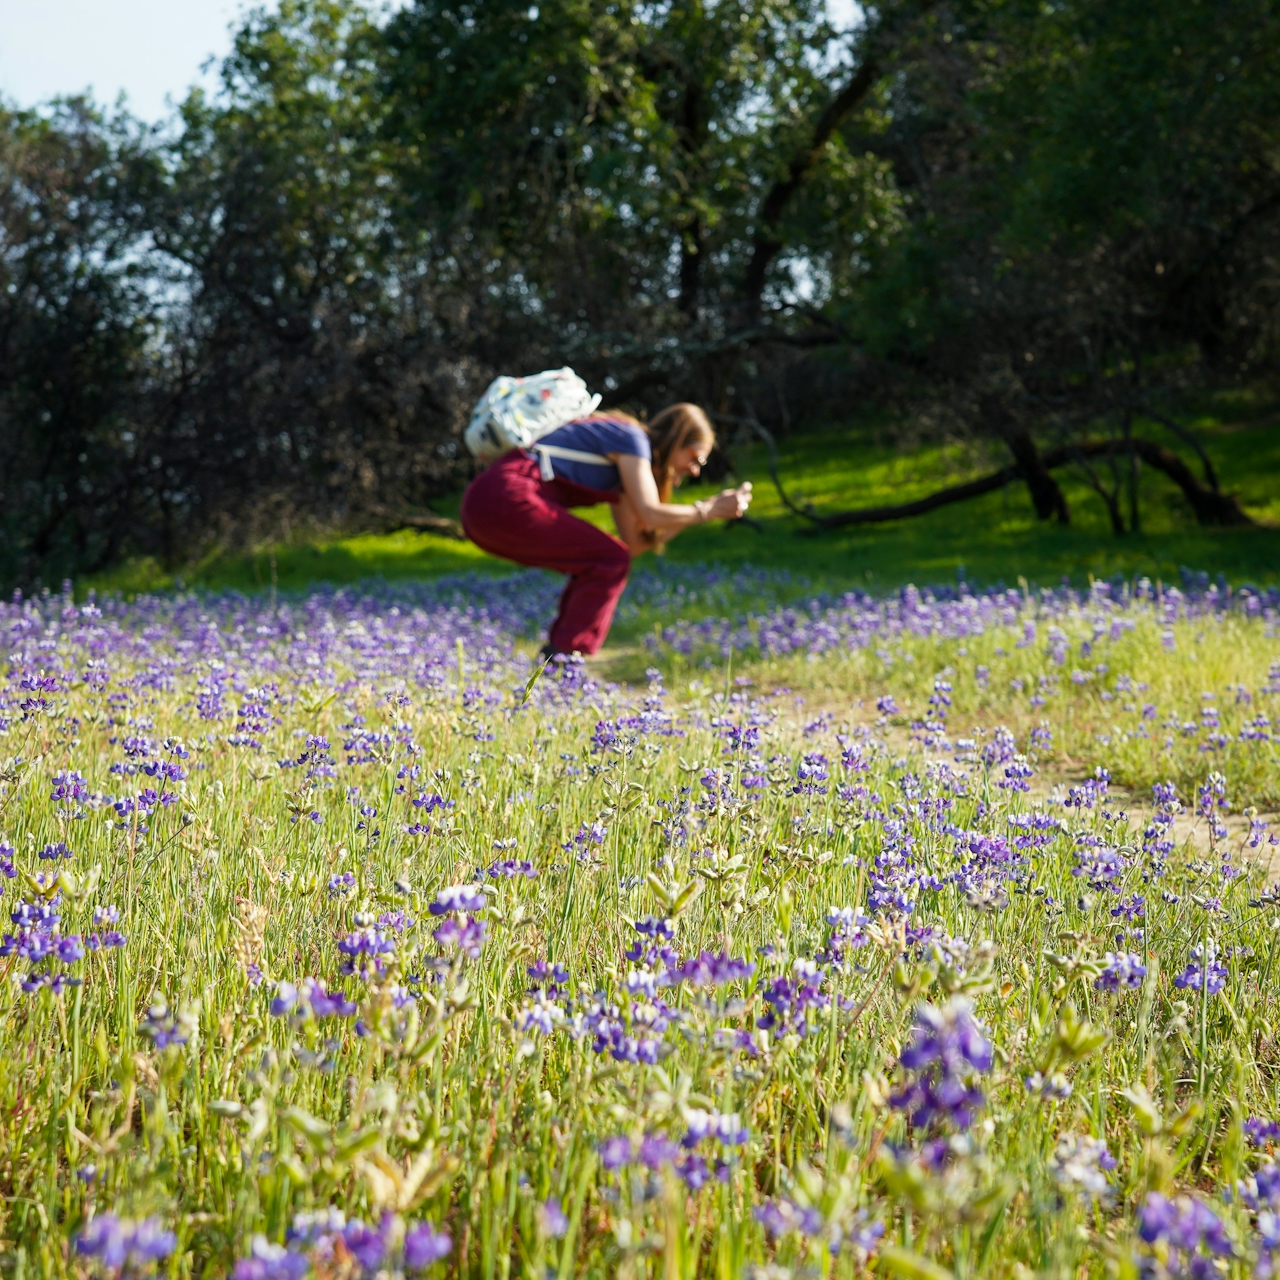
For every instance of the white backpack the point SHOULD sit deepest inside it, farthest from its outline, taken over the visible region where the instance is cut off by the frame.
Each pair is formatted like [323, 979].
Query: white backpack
[515, 412]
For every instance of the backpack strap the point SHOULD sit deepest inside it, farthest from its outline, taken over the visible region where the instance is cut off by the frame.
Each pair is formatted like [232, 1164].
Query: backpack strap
[546, 452]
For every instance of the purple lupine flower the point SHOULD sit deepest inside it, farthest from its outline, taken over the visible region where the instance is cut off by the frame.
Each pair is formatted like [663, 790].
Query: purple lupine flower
[1122, 972]
[1262, 1190]
[552, 1218]
[791, 999]
[1205, 970]
[325, 1003]
[1001, 749]
[365, 949]
[313, 1228]
[950, 1037]
[1260, 1131]
[161, 1026]
[1082, 1164]
[117, 1242]
[69, 788]
[458, 897]
[429, 801]
[654, 927]
[104, 1236]
[541, 1016]
[466, 935]
[947, 1048]
[267, 1261]
[285, 998]
[710, 970]
[656, 1150]
[726, 1128]
[1187, 1224]
[1016, 775]
[423, 1245]
[587, 835]
[548, 977]
[368, 1245]
[782, 1215]
[1132, 908]
[510, 868]
[847, 934]
[693, 1171]
[69, 948]
[616, 1152]
[812, 774]
[341, 884]
[165, 769]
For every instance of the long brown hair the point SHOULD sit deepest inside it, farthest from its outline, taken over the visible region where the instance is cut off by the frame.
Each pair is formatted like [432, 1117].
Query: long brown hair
[675, 428]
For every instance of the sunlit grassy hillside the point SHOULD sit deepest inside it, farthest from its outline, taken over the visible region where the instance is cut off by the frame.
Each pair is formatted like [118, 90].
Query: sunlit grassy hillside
[992, 539]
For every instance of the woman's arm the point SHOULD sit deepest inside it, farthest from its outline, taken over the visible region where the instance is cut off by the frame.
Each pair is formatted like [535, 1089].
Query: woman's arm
[669, 518]
[630, 530]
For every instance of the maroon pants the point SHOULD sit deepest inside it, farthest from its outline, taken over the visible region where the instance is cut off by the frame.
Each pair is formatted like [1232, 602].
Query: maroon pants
[510, 511]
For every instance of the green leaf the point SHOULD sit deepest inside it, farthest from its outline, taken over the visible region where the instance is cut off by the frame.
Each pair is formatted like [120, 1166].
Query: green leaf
[910, 1265]
[316, 1132]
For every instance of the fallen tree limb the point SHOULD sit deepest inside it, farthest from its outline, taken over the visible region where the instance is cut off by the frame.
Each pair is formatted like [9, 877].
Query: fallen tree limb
[1210, 475]
[1210, 506]
[428, 524]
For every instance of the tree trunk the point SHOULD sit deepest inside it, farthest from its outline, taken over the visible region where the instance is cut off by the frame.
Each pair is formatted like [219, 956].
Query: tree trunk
[1135, 506]
[1046, 495]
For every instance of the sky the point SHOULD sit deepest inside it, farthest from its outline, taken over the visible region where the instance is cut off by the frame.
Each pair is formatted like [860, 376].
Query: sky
[147, 49]
[150, 50]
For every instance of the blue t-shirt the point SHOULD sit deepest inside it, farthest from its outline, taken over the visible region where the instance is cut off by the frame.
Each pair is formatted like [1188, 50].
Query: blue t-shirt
[596, 435]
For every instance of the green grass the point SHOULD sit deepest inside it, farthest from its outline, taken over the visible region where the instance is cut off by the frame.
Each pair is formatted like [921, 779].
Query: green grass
[307, 731]
[992, 539]
[295, 566]
[455, 1109]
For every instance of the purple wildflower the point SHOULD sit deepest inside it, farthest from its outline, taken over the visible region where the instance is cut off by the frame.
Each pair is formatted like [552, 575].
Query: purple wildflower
[118, 1243]
[947, 1048]
[423, 1245]
[458, 897]
[267, 1261]
[552, 1217]
[1122, 972]
[616, 1152]
[1205, 970]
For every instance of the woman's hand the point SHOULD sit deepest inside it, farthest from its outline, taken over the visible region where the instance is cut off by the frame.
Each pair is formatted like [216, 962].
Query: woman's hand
[728, 504]
[666, 519]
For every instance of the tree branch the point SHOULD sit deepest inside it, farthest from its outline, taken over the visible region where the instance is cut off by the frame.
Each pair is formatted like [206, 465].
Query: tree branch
[425, 524]
[1210, 475]
[768, 244]
[1210, 507]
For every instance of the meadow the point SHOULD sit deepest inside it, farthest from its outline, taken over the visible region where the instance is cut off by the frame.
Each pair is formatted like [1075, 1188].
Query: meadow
[924, 932]
[995, 539]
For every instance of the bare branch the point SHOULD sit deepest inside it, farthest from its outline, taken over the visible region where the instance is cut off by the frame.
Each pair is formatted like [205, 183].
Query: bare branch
[1210, 506]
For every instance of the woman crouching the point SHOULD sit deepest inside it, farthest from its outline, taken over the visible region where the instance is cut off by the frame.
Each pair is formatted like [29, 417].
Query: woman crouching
[519, 507]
